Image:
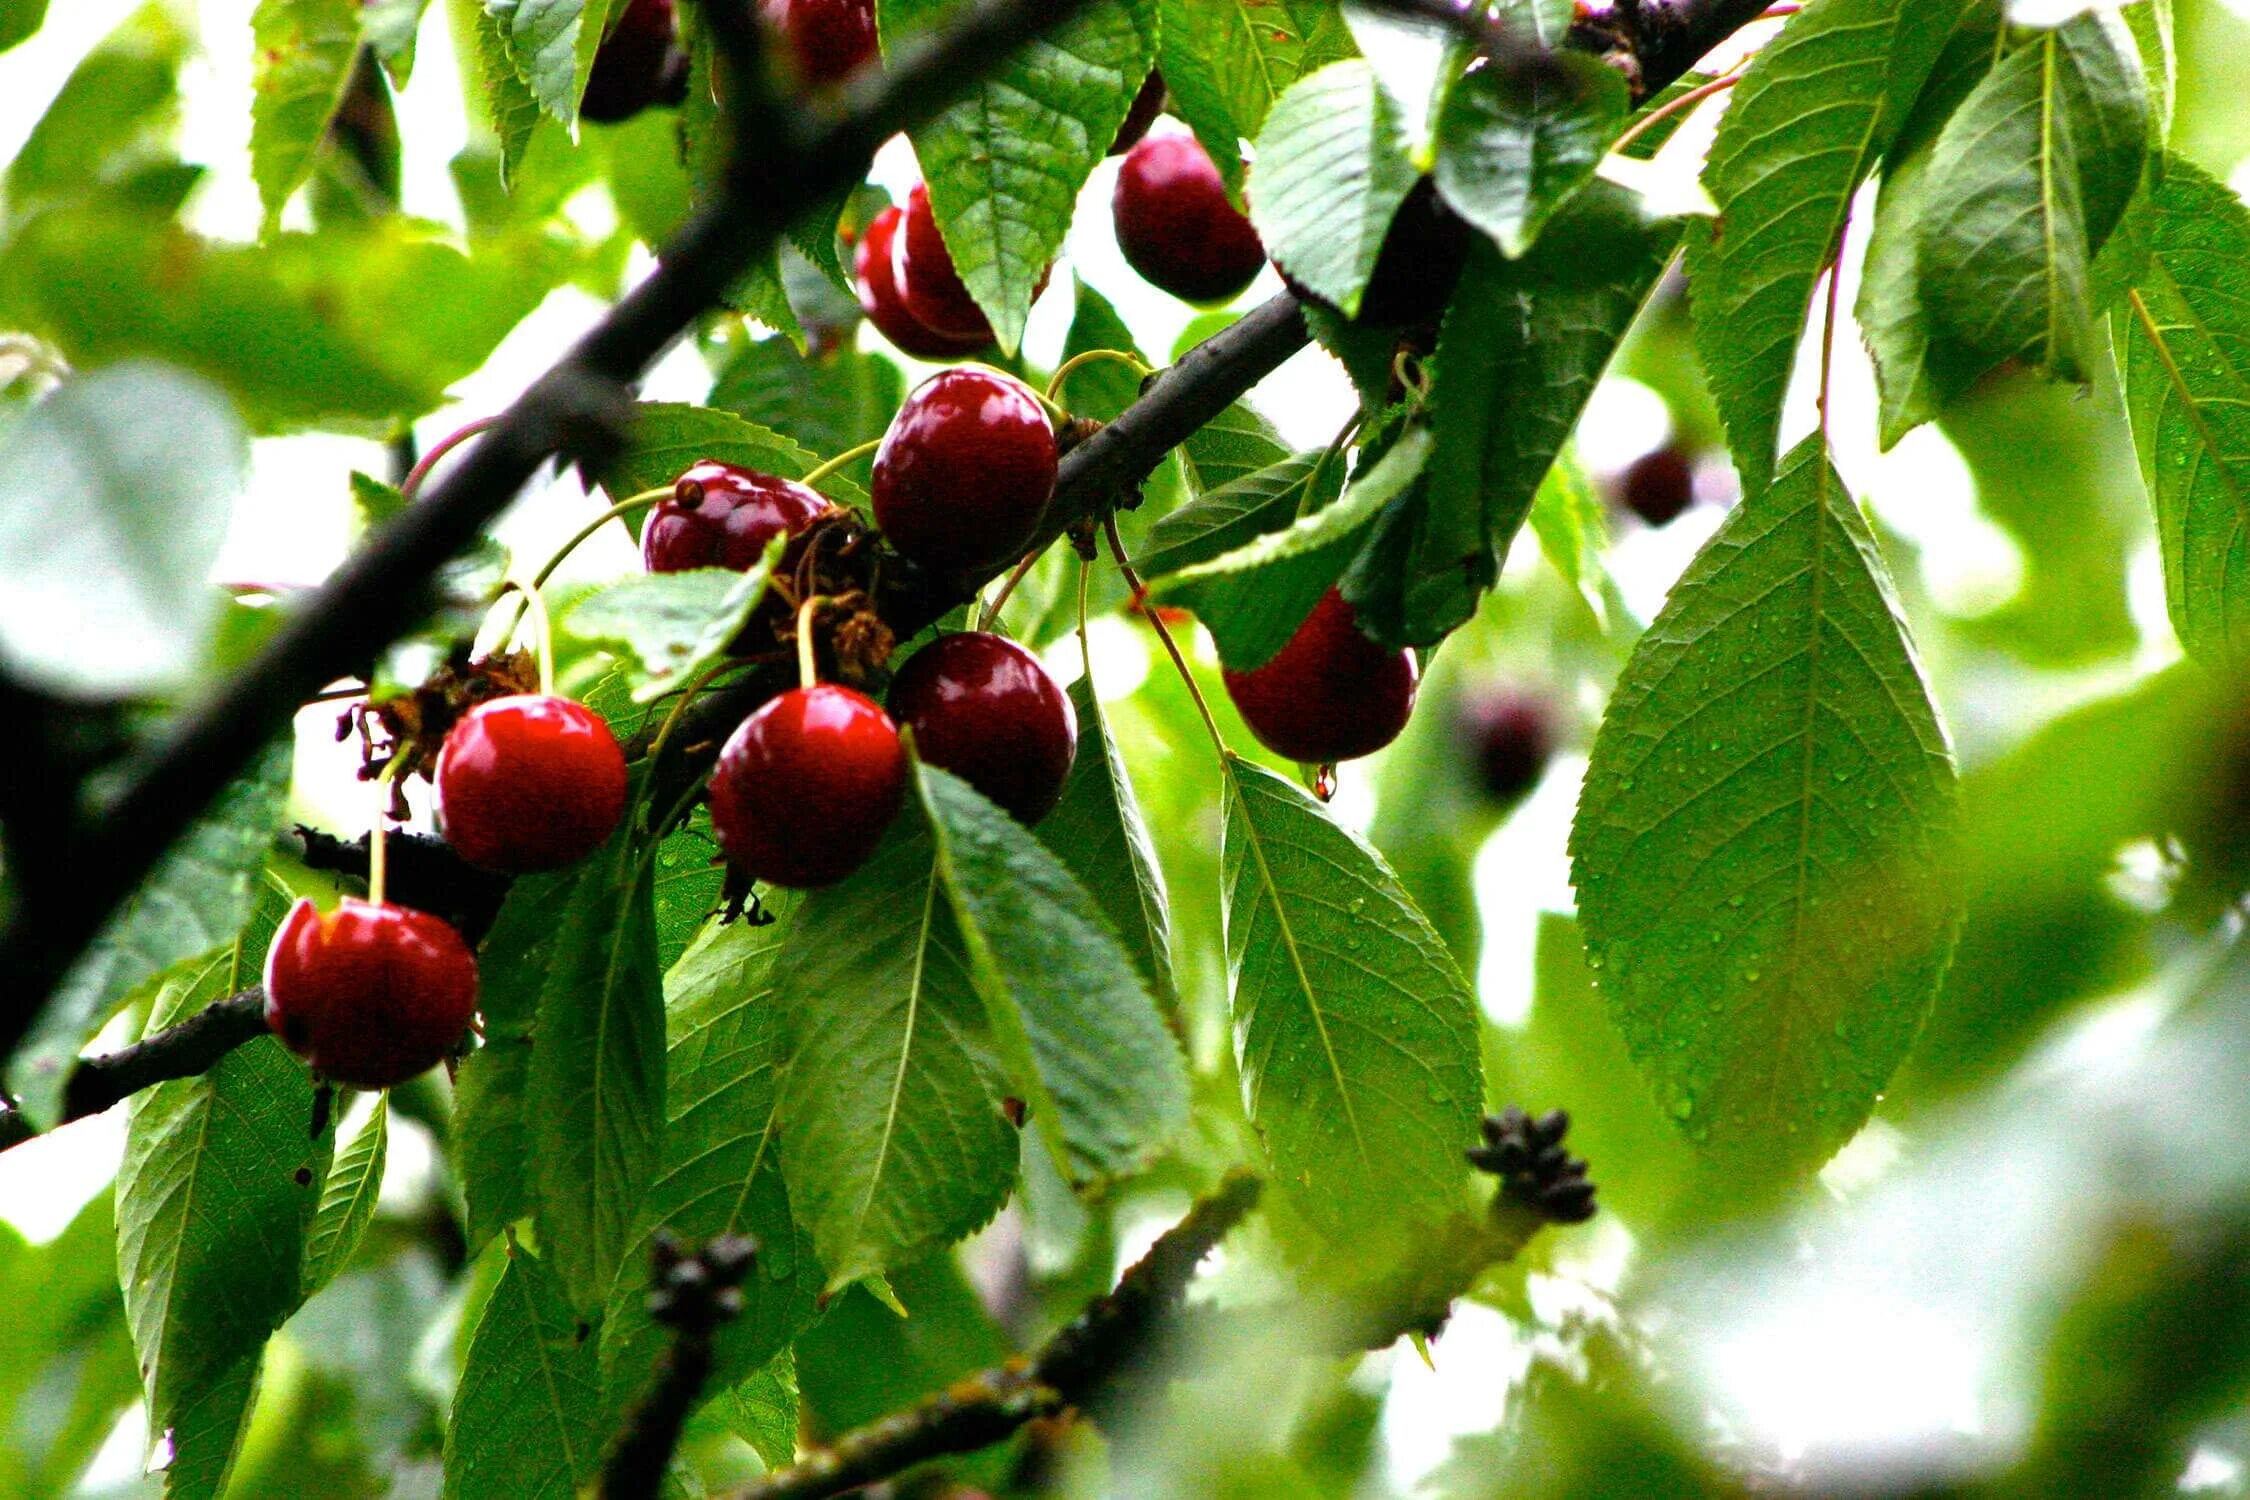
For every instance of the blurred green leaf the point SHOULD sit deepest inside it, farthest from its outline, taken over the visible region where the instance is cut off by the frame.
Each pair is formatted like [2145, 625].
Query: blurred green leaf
[1820, 104]
[762, 1411]
[893, 1142]
[1573, 531]
[527, 1418]
[390, 27]
[826, 404]
[113, 119]
[552, 45]
[66, 1356]
[302, 54]
[1764, 849]
[1334, 164]
[1225, 62]
[673, 625]
[1512, 150]
[347, 1199]
[148, 462]
[1355, 1033]
[19, 20]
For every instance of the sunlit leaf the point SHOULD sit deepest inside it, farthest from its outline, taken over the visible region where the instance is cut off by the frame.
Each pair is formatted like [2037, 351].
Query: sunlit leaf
[1097, 830]
[1512, 150]
[1334, 164]
[527, 1421]
[347, 1199]
[673, 626]
[1225, 62]
[302, 51]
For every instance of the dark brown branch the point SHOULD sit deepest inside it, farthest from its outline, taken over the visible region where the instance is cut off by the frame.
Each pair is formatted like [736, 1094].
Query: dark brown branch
[192, 1046]
[692, 1295]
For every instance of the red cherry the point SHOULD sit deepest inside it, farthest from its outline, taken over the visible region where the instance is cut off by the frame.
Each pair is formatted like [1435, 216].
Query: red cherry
[965, 471]
[1331, 694]
[876, 271]
[984, 708]
[806, 785]
[721, 516]
[1146, 106]
[830, 39]
[923, 268]
[529, 782]
[369, 994]
[638, 64]
[1658, 485]
[1175, 225]
[1511, 734]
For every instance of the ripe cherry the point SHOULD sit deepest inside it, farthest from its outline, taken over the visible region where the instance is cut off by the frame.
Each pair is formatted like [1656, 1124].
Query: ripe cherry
[1330, 694]
[721, 516]
[369, 994]
[875, 268]
[805, 787]
[1146, 106]
[1658, 486]
[830, 39]
[1421, 259]
[639, 64]
[1511, 734]
[923, 268]
[1175, 225]
[983, 707]
[529, 782]
[965, 471]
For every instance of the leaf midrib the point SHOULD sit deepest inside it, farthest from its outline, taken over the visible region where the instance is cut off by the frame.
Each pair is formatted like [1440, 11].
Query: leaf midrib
[905, 1054]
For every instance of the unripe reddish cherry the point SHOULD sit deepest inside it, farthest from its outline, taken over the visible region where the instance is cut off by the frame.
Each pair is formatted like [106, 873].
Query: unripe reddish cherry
[1146, 106]
[529, 782]
[805, 787]
[965, 471]
[639, 64]
[830, 39]
[983, 707]
[721, 516]
[369, 994]
[1175, 225]
[1330, 694]
[875, 267]
[923, 268]
[1658, 485]
[1511, 735]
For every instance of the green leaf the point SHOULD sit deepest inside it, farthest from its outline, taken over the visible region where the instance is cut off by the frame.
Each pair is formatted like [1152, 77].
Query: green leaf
[219, 1181]
[1103, 389]
[20, 20]
[1355, 1034]
[1334, 164]
[1236, 442]
[1764, 849]
[825, 404]
[302, 55]
[1098, 833]
[390, 27]
[1225, 62]
[762, 1411]
[669, 436]
[1511, 151]
[893, 1141]
[1240, 511]
[113, 119]
[674, 625]
[2183, 352]
[1005, 163]
[690, 880]
[148, 461]
[510, 108]
[1573, 531]
[527, 1417]
[552, 45]
[66, 1355]
[1253, 599]
[722, 1172]
[196, 898]
[1806, 124]
[1073, 1019]
[347, 1200]
[595, 1094]
[2026, 182]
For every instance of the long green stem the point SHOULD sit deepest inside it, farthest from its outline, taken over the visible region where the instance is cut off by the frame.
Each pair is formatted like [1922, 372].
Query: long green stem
[1171, 647]
[861, 450]
[1077, 362]
[626, 507]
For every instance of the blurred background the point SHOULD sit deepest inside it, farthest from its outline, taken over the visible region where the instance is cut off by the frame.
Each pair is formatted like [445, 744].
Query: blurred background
[2026, 1276]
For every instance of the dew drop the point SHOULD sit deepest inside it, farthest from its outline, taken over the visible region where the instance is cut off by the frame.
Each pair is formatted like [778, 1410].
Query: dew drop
[1324, 782]
[1682, 1107]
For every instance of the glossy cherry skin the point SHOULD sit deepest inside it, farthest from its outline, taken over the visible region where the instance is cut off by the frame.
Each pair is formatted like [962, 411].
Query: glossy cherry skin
[369, 994]
[529, 782]
[1658, 486]
[983, 707]
[1175, 225]
[875, 268]
[923, 268]
[1511, 736]
[1331, 694]
[639, 64]
[1146, 106]
[830, 39]
[965, 471]
[721, 516]
[805, 787]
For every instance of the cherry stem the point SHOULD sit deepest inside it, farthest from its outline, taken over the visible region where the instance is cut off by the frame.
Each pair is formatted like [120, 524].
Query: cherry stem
[626, 507]
[378, 864]
[1671, 107]
[808, 671]
[536, 604]
[1077, 362]
[421, 471]
[1171, 647]
[1055, 412]
[858, 450]
[992, 610]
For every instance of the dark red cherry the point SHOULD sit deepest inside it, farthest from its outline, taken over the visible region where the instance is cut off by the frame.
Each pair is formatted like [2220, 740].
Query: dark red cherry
[721, 516]
[529, 782]
[369, 994]
[1175, 225]
[965, 471]
[876, 270]
[1147, 105]
[1658, 485]
[983, 707]
[639, 64]
[1331, 694]
[923, 268]
[1421, 259]
[830, 39]
[805, 787]
[1511, 735]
